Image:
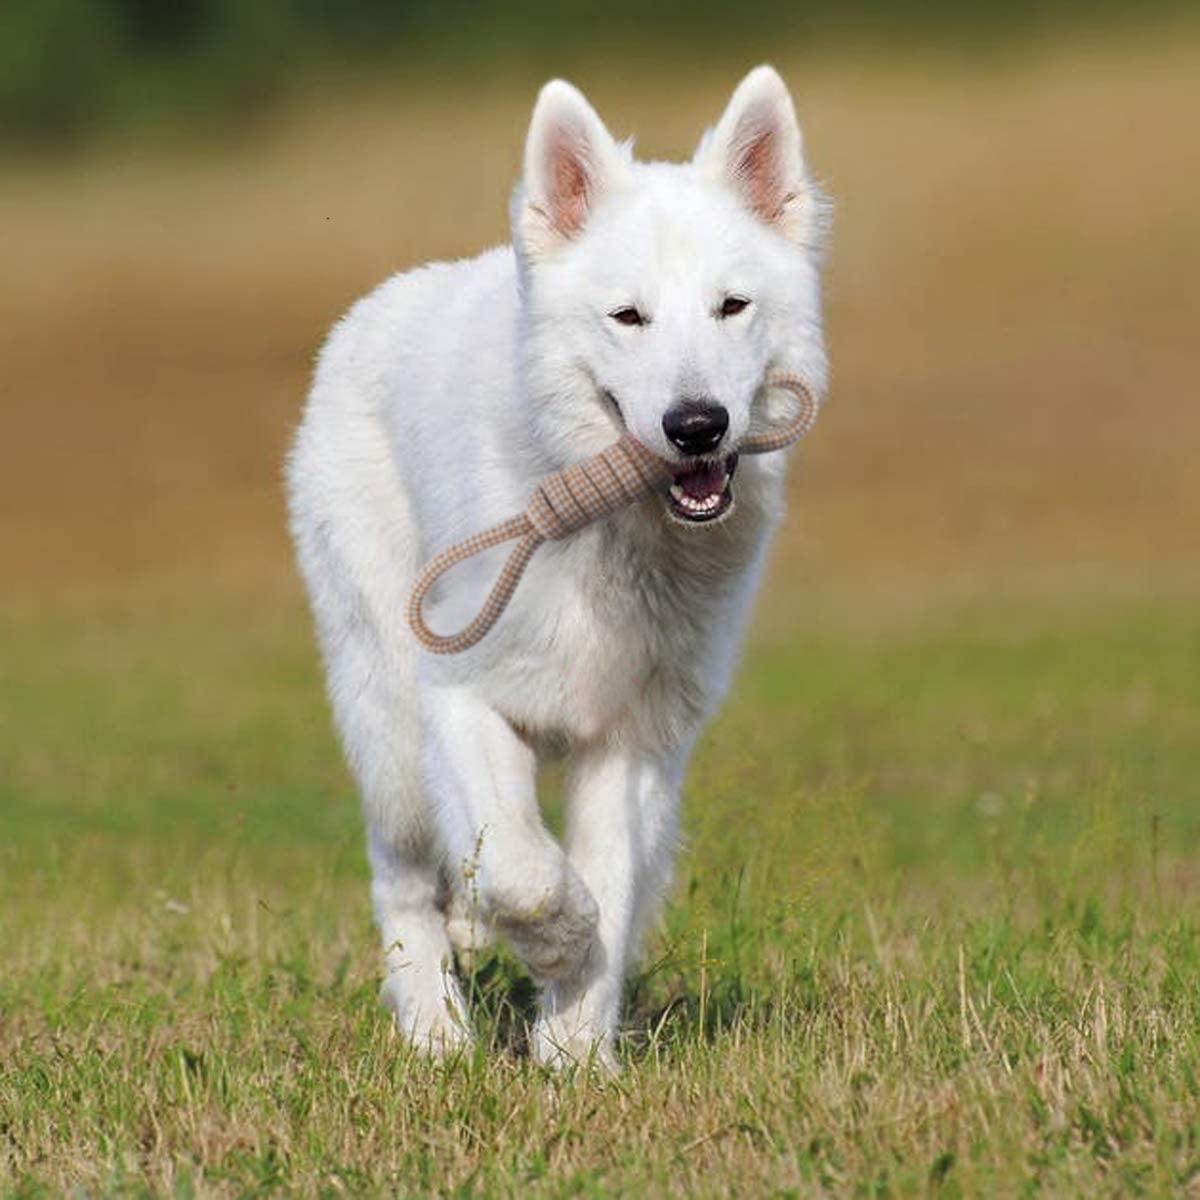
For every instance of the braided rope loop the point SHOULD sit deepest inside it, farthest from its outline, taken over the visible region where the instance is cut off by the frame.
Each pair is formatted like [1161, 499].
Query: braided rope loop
[567, 501]
[783, 436]
[497, 599]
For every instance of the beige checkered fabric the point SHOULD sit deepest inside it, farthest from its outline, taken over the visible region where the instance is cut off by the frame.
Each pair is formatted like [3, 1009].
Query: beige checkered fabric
[570, 499]
[617, 477]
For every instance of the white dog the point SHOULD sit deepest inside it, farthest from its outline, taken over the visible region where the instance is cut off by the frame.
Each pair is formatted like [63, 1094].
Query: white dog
[649, 297]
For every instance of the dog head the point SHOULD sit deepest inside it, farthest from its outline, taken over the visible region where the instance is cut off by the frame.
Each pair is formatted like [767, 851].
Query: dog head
[657, 295]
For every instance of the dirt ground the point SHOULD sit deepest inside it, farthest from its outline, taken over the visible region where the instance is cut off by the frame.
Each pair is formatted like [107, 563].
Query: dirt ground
[1012, 309]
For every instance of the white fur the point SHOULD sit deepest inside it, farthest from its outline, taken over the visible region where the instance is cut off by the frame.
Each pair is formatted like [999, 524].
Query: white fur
[439, 401]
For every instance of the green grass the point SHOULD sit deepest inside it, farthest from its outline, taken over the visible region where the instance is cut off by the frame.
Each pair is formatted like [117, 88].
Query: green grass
[935, 930]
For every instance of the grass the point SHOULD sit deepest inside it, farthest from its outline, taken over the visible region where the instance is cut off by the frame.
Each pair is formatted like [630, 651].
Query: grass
[935, 930]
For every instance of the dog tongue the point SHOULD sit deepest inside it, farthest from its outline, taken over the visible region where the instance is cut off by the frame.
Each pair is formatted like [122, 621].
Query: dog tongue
[704, 481]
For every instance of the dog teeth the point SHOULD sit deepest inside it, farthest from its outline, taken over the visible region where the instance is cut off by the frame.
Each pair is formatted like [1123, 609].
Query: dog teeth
[691, 504]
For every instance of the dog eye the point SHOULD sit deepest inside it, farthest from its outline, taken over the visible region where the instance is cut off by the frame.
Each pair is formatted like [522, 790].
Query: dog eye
[628, 315]
[732, 305]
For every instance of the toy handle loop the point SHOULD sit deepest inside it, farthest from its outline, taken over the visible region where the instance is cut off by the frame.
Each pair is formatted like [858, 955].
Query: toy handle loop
[497, 599]
[792, 431]
[565, 502]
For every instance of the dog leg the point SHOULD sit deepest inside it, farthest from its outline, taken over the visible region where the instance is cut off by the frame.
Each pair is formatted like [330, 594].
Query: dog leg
[371, 679]
[483, 777]
[620, 838]
[419, 984]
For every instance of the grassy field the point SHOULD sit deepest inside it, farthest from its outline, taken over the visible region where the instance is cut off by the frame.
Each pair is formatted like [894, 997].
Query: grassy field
[936, 926]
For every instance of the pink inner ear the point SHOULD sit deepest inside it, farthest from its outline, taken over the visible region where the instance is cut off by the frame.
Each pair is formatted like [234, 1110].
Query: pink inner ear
[757, 174]
[570, 186]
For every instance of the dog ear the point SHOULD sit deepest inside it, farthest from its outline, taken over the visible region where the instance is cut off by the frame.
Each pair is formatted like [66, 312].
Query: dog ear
[756, 149]
[571, 161]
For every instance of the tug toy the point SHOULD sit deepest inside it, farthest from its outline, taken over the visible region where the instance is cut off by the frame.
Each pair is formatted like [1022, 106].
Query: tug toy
[570, 499]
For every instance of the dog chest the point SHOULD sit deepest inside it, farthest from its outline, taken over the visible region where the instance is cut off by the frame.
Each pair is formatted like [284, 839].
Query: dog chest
[609, 632]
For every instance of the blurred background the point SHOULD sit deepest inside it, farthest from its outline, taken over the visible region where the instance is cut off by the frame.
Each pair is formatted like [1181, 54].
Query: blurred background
[969, 712]
[191, 193]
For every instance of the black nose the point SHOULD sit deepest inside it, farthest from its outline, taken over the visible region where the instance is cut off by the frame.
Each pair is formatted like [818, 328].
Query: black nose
[696, 426]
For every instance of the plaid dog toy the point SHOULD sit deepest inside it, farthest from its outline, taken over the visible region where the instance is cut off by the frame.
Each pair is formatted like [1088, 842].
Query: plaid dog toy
[568, 500]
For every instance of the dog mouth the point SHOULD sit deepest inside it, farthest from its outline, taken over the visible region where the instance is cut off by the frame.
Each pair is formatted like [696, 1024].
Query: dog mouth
[704, 492]
[700, 494]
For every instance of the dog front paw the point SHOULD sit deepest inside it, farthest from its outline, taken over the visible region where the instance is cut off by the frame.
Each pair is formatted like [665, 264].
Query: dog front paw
[571, 1035]
[553, 933]
[429, 1013]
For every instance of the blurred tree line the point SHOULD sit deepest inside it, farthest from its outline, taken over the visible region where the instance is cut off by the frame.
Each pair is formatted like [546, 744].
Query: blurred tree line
[72, 70]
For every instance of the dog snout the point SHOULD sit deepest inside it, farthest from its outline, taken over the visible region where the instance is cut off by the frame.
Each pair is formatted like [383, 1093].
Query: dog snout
[696, 426]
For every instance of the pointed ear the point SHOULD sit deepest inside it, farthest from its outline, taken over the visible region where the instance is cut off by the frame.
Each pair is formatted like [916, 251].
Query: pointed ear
[756, 150]
[571, 161]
